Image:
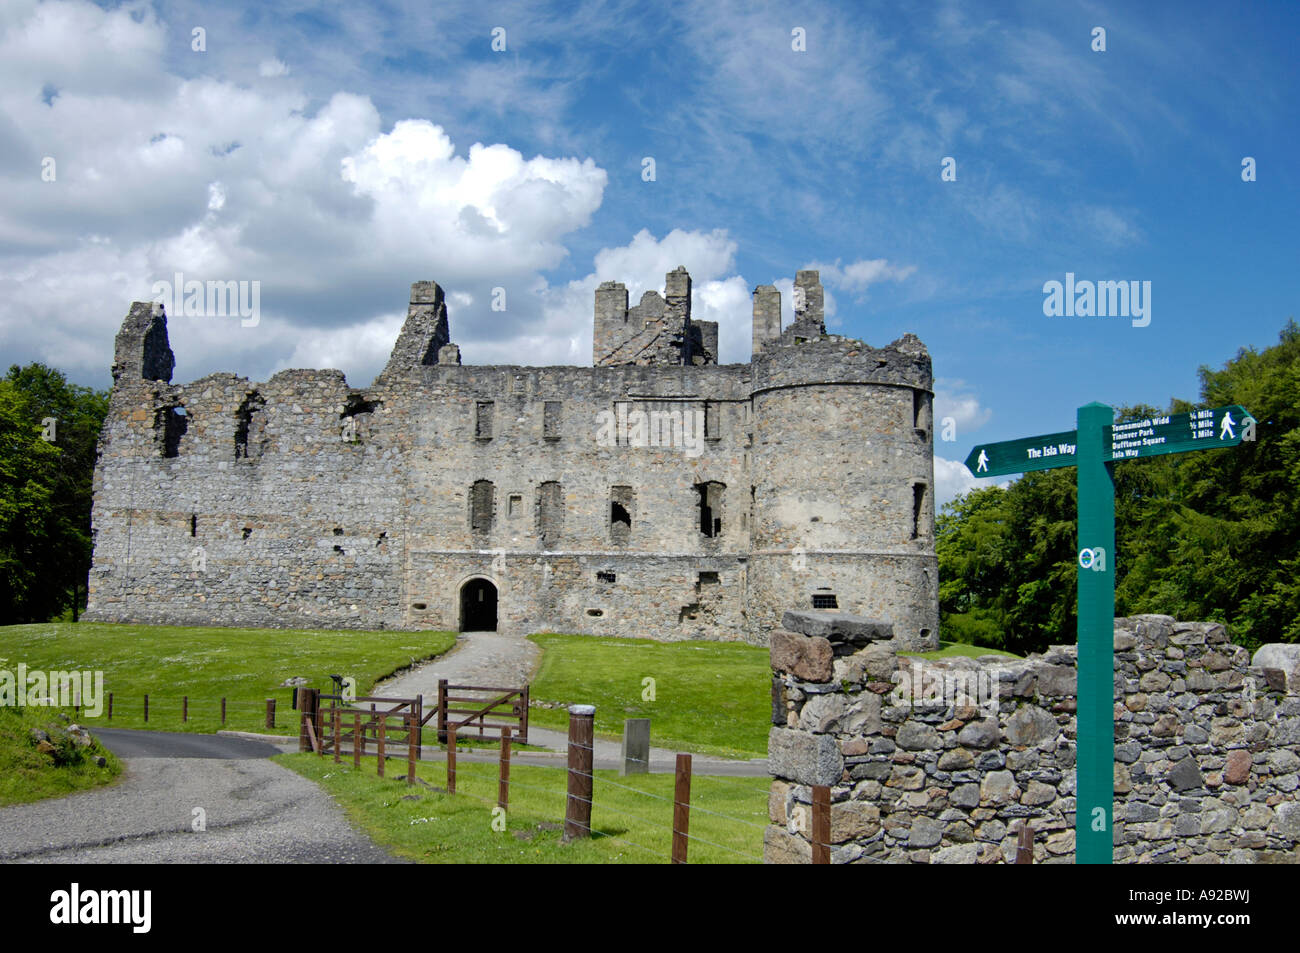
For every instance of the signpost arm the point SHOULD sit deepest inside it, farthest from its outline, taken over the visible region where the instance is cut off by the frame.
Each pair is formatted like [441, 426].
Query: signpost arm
[1095, 754]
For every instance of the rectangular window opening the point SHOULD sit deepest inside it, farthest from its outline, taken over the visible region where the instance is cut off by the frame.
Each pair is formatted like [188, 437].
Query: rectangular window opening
[483, 420]
[482, 500]
[551, 420]
[550, 513]
[710, 508]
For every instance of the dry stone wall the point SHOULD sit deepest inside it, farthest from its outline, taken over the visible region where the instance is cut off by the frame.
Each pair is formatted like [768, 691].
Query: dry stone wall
[944, 761]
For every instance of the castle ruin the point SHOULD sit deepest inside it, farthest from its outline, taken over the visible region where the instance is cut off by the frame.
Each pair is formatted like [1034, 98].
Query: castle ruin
[656, 493]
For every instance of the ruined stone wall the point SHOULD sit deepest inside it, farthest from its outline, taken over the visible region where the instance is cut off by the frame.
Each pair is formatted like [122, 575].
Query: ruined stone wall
[304, 502]
[1207, 748]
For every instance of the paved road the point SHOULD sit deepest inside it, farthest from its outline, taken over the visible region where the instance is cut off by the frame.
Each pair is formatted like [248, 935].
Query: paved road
[489, 658]
[256, 811]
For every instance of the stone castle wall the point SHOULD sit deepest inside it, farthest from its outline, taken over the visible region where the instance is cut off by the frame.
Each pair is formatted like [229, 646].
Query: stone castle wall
[1207, 748]
[301, 501]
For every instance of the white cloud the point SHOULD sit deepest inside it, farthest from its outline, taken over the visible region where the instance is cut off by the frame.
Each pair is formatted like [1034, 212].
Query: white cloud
[223, 180]
[953, 399]
[952, 479]
[272, 68]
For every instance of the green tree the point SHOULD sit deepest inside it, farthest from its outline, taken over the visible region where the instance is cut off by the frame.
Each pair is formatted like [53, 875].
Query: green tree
[1210, 535]
[52, 539]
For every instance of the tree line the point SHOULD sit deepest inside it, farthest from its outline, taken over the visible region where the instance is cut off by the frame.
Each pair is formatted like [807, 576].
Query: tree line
[1207, 536]
[49, 434]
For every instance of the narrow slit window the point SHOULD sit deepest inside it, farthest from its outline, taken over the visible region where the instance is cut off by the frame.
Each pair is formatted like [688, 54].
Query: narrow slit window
[918, 509]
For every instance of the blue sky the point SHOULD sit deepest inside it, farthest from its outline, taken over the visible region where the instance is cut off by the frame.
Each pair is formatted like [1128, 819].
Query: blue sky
[336, 154]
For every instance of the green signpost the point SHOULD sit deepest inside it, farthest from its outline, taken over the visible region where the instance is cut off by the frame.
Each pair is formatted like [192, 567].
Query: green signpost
[1092, 449]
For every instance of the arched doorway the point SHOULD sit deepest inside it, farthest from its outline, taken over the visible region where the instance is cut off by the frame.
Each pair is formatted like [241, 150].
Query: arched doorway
[478, 606]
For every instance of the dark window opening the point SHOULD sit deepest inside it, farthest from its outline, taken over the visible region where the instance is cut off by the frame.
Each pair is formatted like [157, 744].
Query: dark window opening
[250, 427]
[595, 613]
[247, 532]
[194, 525]
[825, 600]
[710, 508]
[918, 507]
[383, 537]
[550, 512]
[356, 414]
[338, 549]
[620, 513]
[712, 426]
[338, 530]
[606, 577]
[708, 579]
[171, 424]
[551, 420]
[419, 606]
[482, 500]
[483, 420]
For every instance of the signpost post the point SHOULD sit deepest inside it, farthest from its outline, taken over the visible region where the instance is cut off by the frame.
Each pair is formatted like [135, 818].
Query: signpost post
[1092, 450]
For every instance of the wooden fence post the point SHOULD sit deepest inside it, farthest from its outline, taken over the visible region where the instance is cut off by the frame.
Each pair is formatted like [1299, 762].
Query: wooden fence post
[270, 710]
[1025, 845]
[451, 762]
[110, 706]
[523, 727]
[307, 702]
[442, 711]
[577, 813]
[503, 784]
[681, 808]
[358, 741]
[821, 824]
[146, 708]
[412, 746]
[338, 735]
[223, 711]
[185, 708]
[419, 727]
[383, 728]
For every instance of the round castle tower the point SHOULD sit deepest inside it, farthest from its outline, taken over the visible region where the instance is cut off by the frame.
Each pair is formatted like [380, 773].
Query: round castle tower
[842, 473]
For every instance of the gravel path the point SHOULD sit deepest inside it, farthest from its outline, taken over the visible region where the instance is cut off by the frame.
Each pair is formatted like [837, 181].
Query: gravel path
[488, 658]
[479, 658]
[257, 812]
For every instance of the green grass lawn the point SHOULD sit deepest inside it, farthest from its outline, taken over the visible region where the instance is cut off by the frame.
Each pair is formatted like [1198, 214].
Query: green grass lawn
[709, 697]
[246, 666]
[629, 826]
[28, 775]
[950, 649]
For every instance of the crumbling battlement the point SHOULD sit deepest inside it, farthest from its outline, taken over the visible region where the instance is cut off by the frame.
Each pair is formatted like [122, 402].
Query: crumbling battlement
[655, 493]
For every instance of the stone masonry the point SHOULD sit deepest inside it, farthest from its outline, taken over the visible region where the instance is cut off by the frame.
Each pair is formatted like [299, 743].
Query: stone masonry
[656, 493]
[927, 764]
